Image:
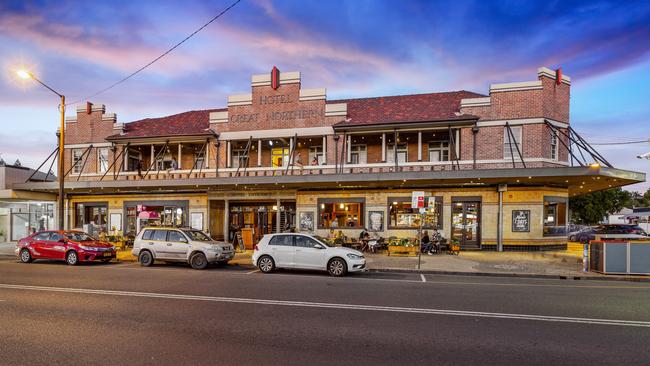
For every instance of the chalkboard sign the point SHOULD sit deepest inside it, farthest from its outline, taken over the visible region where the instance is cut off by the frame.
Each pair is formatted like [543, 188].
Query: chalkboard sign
[520, 221]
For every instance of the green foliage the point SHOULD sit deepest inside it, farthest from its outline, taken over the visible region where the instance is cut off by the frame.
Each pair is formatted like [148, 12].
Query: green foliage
[591, 208]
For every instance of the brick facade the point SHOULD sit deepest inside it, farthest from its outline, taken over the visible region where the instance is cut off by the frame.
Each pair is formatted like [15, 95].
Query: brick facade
[282, 109]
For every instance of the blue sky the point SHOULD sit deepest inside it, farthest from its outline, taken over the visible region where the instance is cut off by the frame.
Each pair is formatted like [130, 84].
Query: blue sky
[354, 48]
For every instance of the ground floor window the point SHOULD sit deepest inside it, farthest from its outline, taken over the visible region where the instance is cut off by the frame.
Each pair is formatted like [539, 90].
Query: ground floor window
[92, 217]
[27, 218]
[159, 213]
[403, 216]
[555, 216]
[340, 213]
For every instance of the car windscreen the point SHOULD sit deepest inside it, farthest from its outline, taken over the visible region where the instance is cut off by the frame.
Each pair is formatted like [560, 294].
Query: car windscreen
[79, 237]
[197, 235]
[323, 241]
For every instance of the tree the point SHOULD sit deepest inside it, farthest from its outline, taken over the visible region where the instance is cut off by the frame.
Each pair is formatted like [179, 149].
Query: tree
[591, 208]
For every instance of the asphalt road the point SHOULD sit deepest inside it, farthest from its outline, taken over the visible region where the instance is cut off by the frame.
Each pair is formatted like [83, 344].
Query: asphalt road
[122, 314]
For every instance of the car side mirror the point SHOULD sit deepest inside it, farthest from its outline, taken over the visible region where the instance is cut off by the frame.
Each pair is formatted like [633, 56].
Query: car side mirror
[62, 240]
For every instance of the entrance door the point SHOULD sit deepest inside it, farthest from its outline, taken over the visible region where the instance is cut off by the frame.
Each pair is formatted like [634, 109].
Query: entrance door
[465, 221]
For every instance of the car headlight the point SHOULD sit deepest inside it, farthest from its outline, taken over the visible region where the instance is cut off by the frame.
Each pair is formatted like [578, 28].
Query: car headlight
[213, 249]
[87, 248]
[354, 256]
[113, 248]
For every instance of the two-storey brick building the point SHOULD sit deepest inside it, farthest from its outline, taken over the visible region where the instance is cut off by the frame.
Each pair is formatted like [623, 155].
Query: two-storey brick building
[495, 168]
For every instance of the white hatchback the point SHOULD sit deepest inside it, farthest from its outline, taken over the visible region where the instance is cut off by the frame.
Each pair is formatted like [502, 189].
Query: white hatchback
[304, 251]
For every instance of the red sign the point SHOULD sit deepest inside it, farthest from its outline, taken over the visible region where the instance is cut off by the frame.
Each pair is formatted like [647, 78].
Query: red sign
[275, 78]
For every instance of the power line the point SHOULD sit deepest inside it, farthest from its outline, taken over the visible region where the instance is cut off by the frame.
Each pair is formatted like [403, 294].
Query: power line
[159, 57]
[622, 142]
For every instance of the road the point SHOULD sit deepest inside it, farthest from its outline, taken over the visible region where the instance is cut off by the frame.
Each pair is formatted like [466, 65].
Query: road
[123, 314]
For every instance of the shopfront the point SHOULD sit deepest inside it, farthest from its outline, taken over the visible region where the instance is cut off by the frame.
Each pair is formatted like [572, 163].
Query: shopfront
[155, 213]
[254, 220]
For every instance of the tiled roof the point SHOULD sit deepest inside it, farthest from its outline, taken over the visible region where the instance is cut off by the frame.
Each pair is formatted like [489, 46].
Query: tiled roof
[182, 124]
[405, 108]
[361, 112]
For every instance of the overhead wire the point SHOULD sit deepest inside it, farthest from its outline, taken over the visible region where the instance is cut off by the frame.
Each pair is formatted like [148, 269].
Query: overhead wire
[159, 57]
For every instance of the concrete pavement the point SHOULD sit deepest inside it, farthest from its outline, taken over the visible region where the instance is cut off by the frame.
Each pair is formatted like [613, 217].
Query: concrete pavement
[123, 314]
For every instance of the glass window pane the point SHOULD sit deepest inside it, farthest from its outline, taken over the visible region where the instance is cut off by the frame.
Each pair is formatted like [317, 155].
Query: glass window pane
[175, 236]
[341, 214]
[160, 235]
[305, 242]
[283, 240]
[148, 234]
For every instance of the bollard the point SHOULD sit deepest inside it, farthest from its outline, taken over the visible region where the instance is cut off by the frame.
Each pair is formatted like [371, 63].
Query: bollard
[585, 258]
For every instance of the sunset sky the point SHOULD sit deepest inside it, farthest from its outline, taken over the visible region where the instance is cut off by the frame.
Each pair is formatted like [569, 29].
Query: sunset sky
[353, 48]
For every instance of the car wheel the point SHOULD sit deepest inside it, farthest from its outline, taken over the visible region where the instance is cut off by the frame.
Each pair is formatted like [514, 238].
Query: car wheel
[72, 258]
[198, 261]
[266, 264]
[337, 267]
[25, 256]
[145, 258]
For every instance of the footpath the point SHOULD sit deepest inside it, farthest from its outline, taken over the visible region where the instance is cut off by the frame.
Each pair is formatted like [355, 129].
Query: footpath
[565, 264]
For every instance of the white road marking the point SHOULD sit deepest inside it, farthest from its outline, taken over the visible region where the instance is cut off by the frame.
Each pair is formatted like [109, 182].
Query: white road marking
[423, 278]
[251, 272]
[304, 304]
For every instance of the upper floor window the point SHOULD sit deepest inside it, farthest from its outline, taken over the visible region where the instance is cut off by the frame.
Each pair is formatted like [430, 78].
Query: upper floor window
[238, 158]
[280, 157]
[102, 160]
[554, 146]
[511, 145]
[439, 151]
[76, 160]
[358, 154]
[199, 160]
[316, 155]
[402, 153]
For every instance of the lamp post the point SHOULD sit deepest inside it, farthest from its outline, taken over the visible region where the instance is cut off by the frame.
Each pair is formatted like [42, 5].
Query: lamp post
[28, 75]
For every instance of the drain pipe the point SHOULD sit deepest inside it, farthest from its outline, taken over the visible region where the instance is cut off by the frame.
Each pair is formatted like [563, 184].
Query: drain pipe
[501, 188]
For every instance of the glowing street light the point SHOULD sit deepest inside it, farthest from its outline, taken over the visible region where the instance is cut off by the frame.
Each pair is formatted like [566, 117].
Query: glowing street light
[24, 74]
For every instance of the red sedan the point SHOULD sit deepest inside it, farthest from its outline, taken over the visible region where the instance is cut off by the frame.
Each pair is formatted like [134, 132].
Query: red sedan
[71, 246]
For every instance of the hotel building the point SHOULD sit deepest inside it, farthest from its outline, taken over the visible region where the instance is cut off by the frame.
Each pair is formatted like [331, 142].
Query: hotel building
[495, 169]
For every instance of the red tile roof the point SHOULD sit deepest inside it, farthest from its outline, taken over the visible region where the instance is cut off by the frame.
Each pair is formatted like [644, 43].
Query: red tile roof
[361, 112]
[405, 108]
[192, 123]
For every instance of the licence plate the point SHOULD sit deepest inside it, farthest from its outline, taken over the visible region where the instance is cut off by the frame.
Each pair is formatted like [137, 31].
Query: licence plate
[108, 254]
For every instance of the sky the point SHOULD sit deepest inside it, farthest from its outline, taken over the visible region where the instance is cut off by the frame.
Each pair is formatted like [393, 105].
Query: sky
[354, 48]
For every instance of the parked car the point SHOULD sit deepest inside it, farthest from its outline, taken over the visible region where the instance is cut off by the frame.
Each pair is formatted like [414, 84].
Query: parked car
[70, 246]
[302, 251]
[627, 229]
[180, 245]
[574, 235]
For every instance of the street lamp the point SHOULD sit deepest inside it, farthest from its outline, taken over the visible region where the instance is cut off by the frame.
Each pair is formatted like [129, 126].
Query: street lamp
[24, 74]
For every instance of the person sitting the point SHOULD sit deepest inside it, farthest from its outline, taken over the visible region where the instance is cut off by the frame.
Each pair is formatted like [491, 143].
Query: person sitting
[331, 235]
[364, 234]
[426, 244]
[314, 161]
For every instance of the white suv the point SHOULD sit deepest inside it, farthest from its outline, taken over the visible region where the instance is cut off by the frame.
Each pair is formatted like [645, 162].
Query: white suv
[180, 245]
[305, 252]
